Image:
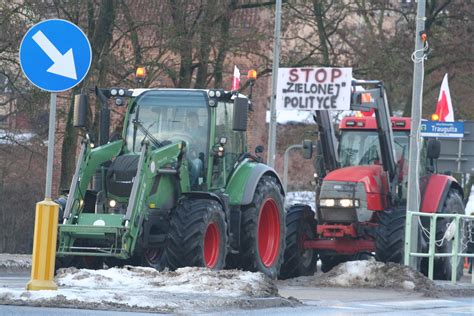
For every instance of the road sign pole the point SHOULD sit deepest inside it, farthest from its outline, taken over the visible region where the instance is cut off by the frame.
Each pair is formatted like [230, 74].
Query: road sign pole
[46, 222]
[276, 63]
[50, 159]
[55, 55]
[413, 190]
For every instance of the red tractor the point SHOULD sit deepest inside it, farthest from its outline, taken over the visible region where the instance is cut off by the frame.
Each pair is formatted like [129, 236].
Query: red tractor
[361, 193]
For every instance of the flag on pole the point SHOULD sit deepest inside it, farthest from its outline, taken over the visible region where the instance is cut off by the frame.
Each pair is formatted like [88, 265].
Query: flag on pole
[236, 79]
[444, 108]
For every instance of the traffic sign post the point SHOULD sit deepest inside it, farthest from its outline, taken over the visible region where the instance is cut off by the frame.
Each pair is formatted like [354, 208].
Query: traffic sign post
[55, 55]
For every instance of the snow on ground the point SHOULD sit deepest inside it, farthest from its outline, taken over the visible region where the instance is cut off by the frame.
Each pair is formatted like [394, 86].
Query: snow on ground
[369, 274]
[301, 197]
[145, 289]
[10, 263]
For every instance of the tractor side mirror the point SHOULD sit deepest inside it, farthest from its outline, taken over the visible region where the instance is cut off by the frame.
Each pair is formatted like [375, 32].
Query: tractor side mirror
[434, 149]
[241, 109]
[259, 149]
[80, 110]
[307, 149]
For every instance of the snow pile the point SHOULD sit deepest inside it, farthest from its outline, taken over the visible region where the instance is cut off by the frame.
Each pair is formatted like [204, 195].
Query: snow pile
[183, 280]
[10, 263]
[145, 289]
[370, 274]
[301, 197]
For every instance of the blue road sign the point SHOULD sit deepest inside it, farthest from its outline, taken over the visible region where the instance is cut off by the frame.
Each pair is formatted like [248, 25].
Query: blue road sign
[442, 129]
[55, 55]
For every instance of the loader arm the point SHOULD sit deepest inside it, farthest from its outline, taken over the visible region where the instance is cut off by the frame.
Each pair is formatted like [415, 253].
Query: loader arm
[89, 160]
[378, 101]
[164, 161]
[328, 141]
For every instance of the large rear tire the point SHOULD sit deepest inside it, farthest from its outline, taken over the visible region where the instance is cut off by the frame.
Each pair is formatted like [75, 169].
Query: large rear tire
[390, 236]
[300, 226]
[443, 266]
[198, 235]
[263, 229]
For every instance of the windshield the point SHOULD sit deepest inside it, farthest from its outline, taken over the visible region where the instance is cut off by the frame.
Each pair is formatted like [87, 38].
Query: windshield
[362, 147]
[170, 116]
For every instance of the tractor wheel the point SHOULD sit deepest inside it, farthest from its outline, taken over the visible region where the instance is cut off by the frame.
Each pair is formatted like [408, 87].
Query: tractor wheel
[390, 236]
[89, 262]
[263, 229]
[198, 235]
[155, 258]
[329, 262]
[300, 226]
[442, 267]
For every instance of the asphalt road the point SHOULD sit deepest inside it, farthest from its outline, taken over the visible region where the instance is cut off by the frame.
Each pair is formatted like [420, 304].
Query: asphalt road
[316, 301]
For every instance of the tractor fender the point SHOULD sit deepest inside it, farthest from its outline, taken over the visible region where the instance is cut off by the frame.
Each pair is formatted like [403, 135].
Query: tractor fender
[243, 182]
[222, 199]
[436, 191]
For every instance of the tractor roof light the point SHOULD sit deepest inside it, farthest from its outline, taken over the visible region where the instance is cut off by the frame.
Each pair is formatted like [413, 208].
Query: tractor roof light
[140, 74]
[252, 74]
[366, 97]
[350, 123]
[435, 117]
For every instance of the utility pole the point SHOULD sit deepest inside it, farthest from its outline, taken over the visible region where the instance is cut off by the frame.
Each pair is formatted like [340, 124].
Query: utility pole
[413, 194]
[276, 63]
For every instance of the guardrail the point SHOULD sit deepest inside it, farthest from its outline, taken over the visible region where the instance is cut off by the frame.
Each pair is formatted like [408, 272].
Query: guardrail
[461, 224]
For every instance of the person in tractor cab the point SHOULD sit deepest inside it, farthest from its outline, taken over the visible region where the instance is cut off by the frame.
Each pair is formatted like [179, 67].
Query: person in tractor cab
[195, 153]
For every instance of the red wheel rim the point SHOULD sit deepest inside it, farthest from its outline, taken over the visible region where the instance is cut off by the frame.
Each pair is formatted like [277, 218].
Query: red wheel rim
[211, 245]
[269, 233]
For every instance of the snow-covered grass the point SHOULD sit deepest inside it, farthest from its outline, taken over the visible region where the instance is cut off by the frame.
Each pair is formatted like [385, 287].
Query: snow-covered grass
[301, 197]
[147, 289]
[14, 262]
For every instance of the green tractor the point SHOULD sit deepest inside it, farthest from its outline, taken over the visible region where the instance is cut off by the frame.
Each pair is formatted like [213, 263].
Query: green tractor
[177, 188]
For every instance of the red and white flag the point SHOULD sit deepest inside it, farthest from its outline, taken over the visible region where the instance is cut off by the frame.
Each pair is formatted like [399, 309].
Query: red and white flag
[236, 79]
[444, 108]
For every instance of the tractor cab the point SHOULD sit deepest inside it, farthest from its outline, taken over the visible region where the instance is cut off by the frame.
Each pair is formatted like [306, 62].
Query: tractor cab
[359, 144]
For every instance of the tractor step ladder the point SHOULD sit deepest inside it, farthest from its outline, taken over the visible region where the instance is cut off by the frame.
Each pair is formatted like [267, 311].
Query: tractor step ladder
[456, 253]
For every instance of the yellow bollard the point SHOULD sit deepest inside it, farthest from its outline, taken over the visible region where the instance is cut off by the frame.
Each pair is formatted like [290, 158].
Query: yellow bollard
[44, 246]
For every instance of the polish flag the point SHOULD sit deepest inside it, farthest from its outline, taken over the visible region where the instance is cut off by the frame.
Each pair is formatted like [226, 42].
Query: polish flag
[236, 79]
[444, 108]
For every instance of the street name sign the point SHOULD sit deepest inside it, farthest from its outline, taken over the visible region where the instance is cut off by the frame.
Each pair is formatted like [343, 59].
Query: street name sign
[313, 89]
[55, 55]
[442, 129]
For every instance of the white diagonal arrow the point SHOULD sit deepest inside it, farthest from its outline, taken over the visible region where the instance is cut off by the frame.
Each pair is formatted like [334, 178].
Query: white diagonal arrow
[63, 65]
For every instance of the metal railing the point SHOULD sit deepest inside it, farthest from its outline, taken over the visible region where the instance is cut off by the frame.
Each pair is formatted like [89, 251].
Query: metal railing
[461, 224]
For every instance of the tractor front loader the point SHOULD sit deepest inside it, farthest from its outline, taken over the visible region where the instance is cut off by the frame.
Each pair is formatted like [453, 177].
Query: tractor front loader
[178, 188]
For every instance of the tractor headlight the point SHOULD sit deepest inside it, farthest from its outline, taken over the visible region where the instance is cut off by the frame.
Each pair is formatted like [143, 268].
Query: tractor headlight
[112, 203]
[327, 202]
[344, 203]
[348, 203]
